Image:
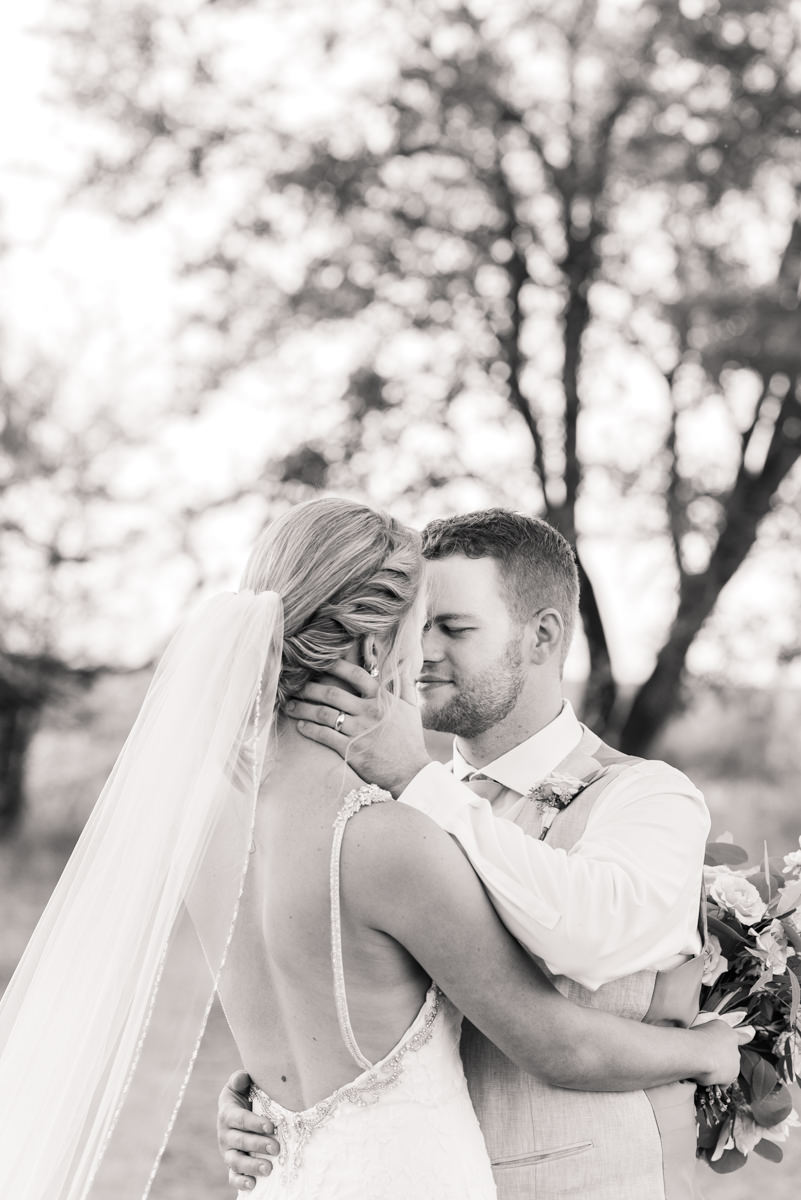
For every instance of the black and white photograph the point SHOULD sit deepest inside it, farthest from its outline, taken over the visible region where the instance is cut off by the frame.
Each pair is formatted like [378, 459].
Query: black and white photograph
[400, 620]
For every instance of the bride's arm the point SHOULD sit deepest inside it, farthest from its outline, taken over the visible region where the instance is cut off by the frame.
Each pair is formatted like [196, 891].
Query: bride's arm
[411, 880]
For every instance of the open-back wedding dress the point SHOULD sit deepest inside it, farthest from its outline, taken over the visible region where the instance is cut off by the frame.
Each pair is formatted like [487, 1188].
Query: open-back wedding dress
[404, 1128]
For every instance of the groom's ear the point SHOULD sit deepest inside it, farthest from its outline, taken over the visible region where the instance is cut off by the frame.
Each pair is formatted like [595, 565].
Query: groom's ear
[546, 633]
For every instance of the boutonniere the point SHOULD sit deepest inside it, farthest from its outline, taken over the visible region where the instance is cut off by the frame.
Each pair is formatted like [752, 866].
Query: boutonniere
[553, 794]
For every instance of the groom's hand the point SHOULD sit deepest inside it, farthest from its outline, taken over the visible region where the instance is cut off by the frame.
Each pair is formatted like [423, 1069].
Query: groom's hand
[379, 734]
[719, 1042]
[244, 1138]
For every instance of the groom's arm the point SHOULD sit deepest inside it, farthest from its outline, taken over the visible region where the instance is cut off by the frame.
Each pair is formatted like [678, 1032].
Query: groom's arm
[625, 897]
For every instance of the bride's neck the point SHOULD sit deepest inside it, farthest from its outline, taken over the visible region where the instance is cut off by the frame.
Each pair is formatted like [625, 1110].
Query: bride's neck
[293, 747]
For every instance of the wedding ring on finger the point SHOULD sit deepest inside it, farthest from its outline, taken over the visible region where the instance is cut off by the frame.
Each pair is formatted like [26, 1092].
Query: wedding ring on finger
[340, 721]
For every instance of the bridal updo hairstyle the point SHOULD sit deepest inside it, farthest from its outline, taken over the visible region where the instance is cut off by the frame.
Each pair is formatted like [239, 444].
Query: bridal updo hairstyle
[343, 572]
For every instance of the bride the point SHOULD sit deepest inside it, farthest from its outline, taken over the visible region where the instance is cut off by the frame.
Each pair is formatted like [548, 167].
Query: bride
[229, 856]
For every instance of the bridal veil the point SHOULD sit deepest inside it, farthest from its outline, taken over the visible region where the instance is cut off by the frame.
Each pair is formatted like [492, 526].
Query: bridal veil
[102, 1021]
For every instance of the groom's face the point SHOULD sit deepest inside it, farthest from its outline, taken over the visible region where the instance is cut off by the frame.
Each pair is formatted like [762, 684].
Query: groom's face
[473, 671]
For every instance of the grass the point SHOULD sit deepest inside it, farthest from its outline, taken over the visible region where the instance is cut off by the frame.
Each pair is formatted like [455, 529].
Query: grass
[741, 749]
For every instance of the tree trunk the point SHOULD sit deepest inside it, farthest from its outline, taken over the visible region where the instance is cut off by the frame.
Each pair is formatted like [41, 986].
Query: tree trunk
[660, 697]
[17, 726]
[27, 684]
[600, 694]
[578, 268]
[748, 503]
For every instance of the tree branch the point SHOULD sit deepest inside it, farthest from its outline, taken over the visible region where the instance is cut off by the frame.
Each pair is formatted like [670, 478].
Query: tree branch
[675, 508]
[748, 432]
[517, 271]
[748, 503]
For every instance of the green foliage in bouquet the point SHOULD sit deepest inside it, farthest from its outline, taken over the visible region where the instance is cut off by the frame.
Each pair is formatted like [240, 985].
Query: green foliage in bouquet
[752, 977]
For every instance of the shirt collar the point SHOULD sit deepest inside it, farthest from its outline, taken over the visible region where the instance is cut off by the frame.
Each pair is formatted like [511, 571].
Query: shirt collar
[528, 763]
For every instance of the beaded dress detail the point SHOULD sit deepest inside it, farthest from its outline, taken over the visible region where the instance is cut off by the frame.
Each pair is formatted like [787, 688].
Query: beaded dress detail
[403, 1128]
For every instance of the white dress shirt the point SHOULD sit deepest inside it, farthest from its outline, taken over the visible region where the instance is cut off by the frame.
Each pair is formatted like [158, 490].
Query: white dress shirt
[623, 898]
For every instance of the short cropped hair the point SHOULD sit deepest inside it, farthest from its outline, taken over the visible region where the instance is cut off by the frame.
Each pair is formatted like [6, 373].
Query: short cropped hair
[537, 564]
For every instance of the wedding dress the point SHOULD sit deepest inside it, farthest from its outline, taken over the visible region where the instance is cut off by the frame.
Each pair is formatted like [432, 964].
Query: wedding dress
[404, 1128]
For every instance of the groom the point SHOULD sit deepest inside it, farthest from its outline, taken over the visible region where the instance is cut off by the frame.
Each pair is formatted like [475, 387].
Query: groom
[592, 858]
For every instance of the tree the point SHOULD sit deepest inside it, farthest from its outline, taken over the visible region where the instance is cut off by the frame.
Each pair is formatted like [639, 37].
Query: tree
[496, 209]
[30, 674]
[75, 535]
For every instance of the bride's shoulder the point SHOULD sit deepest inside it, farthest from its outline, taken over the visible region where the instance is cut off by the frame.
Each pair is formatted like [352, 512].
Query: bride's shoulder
[396, 856]
[387, 837]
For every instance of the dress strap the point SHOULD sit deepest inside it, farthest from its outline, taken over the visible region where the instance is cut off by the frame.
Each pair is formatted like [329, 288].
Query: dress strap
[355, 800]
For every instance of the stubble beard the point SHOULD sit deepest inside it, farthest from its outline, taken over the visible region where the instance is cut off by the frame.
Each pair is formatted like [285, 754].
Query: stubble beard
[482, 700]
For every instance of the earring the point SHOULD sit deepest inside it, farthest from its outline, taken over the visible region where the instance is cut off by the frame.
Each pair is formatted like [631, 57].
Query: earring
[374, 670]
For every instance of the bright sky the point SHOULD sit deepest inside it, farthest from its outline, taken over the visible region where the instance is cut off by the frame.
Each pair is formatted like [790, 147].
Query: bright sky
[82, 273]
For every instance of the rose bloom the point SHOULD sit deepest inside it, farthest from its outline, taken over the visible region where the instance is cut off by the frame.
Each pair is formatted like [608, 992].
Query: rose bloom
[737, 894]
[714, 961]
[773, 942]
[792, 861]
[781, 1132]
[713, 873]
[746, 1133]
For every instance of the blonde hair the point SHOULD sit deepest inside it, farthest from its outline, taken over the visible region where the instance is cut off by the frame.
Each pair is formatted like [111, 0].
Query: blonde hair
[343, 572]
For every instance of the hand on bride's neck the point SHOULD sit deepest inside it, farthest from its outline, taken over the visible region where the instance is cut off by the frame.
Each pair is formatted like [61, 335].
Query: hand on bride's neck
[288, 730]
[326, 680]
[303, 766]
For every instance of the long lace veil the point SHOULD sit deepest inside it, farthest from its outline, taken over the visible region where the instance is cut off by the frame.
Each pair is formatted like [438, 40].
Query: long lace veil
[101, 1023]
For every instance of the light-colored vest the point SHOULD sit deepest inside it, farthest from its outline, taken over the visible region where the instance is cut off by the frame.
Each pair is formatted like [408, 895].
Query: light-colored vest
[547, 1142]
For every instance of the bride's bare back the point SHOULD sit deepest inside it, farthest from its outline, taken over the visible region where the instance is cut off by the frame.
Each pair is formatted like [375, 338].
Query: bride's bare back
[404, 883]
[278, 988]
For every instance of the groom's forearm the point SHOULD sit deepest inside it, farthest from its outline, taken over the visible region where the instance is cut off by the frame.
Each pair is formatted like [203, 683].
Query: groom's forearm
[620, 1055]
[625, 897]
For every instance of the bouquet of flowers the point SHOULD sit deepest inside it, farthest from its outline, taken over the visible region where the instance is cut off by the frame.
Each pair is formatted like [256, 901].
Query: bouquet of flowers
[751, 976]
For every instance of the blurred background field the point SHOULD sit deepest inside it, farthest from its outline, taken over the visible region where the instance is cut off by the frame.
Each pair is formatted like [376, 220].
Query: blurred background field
[430, 254]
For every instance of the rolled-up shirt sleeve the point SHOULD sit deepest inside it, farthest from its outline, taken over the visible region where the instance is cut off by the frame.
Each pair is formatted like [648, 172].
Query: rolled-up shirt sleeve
[623, 898]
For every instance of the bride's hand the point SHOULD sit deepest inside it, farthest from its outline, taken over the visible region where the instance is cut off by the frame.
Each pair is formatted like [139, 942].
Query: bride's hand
[719, 1046]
